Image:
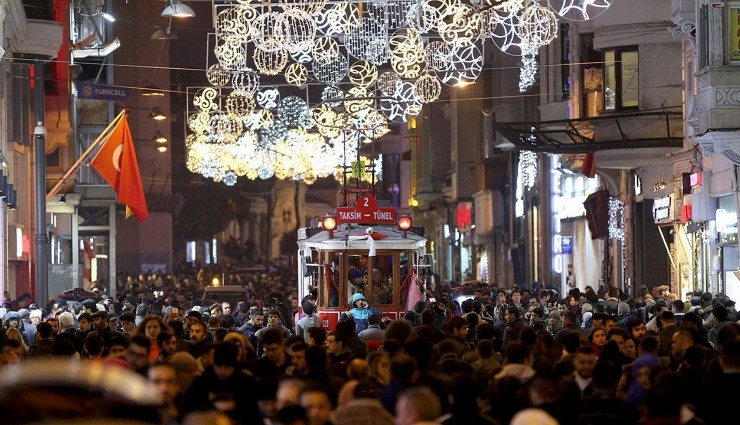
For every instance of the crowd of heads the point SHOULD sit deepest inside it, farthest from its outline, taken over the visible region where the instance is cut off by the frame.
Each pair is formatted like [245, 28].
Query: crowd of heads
[483, 355]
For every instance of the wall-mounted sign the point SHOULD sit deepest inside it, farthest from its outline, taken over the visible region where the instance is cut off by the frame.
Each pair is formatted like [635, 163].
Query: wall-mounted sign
[464, 215]
[102, 92]
[662, 209]
[566, 245]
[734, 34]
[695, 179]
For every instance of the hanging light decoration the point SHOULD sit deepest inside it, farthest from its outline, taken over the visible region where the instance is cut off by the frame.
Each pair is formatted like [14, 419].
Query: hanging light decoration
[528, 168]
[616, 219]
[379, 62]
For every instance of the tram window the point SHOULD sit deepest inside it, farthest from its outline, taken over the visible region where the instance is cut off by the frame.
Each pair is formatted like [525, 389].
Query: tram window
[379, 278]
[329, 282]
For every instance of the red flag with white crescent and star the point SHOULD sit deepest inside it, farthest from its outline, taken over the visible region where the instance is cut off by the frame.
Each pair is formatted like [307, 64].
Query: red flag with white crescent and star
[116, 162]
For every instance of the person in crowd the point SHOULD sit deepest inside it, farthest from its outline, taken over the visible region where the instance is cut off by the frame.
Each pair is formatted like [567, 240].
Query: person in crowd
[102, 328]
[151, 327]
[273, 322]
[597, 339]
[310, 319]
[417, 406]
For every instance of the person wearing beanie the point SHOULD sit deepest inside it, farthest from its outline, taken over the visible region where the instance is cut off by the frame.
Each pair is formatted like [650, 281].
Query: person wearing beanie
[310, 320]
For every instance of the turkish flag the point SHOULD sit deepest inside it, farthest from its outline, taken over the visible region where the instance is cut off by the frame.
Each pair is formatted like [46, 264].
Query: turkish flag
[116, 162]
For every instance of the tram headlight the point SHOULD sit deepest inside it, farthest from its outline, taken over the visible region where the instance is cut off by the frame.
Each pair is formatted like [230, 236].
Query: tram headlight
[329, 223]
[404, 224]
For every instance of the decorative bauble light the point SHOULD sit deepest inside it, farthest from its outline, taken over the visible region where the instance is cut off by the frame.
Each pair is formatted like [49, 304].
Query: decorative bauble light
[296, 74]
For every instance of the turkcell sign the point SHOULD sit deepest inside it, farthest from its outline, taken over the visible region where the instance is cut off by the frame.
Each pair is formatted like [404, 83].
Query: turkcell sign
[366, 215]
[102, 92]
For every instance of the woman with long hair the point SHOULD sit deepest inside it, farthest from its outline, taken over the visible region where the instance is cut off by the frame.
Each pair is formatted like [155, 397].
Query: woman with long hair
[379, 368]
[151, 327]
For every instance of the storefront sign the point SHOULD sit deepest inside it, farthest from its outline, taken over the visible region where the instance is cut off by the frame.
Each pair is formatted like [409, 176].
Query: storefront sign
[662, 208]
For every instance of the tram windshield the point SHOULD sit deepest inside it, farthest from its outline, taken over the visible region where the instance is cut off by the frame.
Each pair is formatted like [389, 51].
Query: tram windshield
[377, 278]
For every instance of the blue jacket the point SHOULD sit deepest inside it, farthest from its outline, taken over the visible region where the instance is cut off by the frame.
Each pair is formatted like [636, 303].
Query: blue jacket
[361, 315]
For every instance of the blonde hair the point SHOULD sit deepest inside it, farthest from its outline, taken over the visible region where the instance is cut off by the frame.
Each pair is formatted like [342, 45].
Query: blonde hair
[14, 333]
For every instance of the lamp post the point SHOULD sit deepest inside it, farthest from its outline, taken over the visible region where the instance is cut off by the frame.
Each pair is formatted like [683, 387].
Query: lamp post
[42, 238]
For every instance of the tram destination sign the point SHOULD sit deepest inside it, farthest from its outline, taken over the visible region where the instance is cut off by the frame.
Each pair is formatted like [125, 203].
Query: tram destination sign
[366, 211]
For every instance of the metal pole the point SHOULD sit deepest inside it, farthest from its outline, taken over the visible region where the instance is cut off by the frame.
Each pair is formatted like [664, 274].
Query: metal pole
[42, 238]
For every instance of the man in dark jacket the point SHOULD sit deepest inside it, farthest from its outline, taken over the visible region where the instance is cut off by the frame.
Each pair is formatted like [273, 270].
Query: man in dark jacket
[224, 378]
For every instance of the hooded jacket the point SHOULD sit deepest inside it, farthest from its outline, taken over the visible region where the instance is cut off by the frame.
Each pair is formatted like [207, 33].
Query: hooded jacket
[361, 315]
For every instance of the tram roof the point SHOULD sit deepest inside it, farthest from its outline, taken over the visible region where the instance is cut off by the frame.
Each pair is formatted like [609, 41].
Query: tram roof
[388, 237]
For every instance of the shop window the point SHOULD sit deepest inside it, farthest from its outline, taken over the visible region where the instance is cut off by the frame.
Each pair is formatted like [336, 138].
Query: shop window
[621, 79]
[734, 39]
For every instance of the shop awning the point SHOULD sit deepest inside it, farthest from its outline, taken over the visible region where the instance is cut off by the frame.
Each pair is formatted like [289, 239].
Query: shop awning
[614, 131]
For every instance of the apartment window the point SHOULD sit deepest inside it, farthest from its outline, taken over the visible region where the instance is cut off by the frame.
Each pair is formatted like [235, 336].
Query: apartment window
[621, 79]
[703, 36]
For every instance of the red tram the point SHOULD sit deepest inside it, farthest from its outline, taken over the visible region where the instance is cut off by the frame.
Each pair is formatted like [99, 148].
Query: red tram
[361, 248]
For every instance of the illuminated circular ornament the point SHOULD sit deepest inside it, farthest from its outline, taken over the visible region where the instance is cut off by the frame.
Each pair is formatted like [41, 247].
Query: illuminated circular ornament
[269, 32]
[230, 178]
[222, 128]
[402, 105]
[270, 135]
[427, 88]
[538, 26]
[309, 7]
[300, 30]
[393, 13]
[296, 74]
[422, 17]
[329, 123]
[303, 56]
[367, 127]
[358, 101]
[508, 6]
[330, 72]
[506, 36]
[233, 25]
[461, 25]
[466, 63]
[231, 55]
[268, 97]
[368, 41]
[332, 96]
[437, 56]
[241, 104]
[206, 99]
[246, 81]
[363, 74]
[217, 75]
[259, 120]
[198, 122]
[269, 62]
[406, 49]
[579, 10]
[325, 50]
[388, 82]
[339, 19]
[293, 112]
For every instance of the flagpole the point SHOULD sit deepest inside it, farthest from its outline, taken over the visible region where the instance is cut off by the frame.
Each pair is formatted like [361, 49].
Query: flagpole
[82, 157]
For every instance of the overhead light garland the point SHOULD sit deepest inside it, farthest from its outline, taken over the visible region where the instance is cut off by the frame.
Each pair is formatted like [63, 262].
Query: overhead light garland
[528, 168]
[379, 63]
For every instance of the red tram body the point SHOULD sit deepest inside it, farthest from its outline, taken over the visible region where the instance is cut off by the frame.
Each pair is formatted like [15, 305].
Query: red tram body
[360, 248]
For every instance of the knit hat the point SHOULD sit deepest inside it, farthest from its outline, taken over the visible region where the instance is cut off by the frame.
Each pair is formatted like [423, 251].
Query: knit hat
[308, 308]
[196, 314]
